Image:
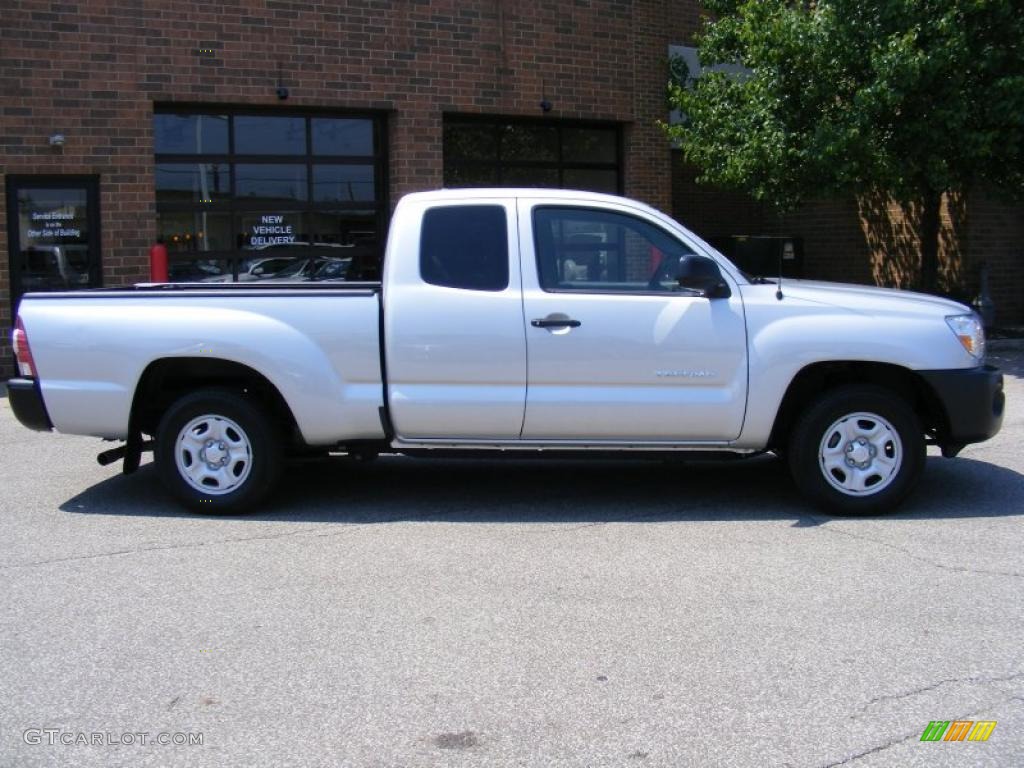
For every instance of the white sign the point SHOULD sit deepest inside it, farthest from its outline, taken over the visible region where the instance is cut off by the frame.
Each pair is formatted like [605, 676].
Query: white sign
[271, 230]
[53, 225]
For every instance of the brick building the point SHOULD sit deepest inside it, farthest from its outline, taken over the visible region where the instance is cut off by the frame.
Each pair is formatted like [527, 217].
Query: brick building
[265, 128]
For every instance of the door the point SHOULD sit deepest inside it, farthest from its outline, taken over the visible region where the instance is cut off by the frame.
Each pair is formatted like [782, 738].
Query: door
[616, 350]
[54, 242]
[453, 321]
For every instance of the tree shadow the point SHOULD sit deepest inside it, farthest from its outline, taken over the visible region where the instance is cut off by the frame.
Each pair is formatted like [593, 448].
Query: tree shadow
[892, 233]
[395, 489]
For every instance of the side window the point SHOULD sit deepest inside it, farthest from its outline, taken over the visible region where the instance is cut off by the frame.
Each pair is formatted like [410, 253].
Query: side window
[585, 249]
[465, 246]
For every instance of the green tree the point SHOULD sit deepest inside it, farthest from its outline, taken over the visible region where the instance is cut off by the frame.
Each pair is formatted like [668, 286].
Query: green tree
[912, 98]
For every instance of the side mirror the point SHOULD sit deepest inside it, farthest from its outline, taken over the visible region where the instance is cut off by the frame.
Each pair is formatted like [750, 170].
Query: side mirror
[701, 274]
[258, 271]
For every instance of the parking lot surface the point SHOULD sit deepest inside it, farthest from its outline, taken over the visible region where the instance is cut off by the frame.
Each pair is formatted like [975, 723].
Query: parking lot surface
[448, 613]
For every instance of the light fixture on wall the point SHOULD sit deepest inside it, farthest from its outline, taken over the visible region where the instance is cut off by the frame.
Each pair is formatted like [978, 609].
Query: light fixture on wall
[282, 91]
[57, 139]
[545, 105]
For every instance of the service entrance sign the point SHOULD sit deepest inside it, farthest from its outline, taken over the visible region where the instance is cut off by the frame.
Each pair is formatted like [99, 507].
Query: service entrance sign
[54, 241]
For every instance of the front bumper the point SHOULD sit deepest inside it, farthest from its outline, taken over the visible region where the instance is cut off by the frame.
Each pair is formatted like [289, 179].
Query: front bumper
[972, 401]
[27, 403]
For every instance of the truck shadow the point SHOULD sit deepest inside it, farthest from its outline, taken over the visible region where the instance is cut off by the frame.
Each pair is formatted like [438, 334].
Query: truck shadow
[395, 489]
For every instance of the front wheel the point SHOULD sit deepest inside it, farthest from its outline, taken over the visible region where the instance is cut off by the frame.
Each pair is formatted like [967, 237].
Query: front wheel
[217, 452]
[857, 450]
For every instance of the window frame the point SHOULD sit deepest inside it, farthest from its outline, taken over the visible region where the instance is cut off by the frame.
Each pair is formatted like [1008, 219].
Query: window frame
[236, 207]
[681, 293]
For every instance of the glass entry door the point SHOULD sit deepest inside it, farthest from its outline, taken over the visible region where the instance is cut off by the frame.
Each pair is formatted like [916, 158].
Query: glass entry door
[53, 222]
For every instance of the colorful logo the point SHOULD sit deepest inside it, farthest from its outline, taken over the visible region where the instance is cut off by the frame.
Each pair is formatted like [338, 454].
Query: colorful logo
[958, 730]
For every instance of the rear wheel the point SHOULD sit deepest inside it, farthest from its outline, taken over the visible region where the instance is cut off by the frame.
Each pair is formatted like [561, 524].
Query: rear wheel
[857, 450]
[217, 452]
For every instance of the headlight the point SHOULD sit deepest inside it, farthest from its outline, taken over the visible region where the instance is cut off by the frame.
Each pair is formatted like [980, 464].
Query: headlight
[970, 332]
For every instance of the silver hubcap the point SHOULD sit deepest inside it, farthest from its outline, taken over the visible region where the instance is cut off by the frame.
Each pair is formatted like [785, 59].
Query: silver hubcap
[860, 454]
[213, 454]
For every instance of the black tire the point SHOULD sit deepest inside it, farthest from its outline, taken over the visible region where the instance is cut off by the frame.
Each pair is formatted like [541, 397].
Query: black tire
[250, 452]
[879, 483]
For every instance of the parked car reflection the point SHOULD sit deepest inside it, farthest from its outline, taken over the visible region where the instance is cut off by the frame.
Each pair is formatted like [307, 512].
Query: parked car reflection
[292, 267]
[54, 267]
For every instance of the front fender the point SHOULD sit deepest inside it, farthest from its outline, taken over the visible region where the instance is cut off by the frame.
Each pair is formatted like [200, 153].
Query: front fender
[787, 336]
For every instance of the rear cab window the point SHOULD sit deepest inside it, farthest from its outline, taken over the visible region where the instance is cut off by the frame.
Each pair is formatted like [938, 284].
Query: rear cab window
[465, 246]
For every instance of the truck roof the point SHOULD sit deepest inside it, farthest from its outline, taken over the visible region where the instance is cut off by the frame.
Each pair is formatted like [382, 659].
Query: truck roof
[575, 195]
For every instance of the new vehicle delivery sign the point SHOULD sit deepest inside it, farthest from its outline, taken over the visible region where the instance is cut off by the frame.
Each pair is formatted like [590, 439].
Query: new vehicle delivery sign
[271, 229]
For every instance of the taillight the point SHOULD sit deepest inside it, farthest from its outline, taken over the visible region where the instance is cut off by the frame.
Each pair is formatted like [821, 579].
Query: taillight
[26, 366]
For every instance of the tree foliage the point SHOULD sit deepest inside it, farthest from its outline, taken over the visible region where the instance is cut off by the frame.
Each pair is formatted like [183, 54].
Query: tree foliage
[911, 97]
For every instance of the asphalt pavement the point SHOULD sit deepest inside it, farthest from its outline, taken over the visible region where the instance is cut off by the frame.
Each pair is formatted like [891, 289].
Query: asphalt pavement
[458, 613]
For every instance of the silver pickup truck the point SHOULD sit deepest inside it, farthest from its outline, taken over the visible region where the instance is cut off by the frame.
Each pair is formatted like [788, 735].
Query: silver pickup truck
[514, 321]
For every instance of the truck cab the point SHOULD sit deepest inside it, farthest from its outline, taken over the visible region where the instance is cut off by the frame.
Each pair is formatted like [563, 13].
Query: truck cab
[572, 326]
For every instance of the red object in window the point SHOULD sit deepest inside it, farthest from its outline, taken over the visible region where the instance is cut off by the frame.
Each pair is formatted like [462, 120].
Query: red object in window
[158, 263]
[656, 257]
[26, 365]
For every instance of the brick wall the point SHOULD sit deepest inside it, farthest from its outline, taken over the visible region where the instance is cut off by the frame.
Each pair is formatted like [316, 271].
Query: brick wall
[93, 70]
[996, 238]
[834, 244]
[875, 240]
[712, 212]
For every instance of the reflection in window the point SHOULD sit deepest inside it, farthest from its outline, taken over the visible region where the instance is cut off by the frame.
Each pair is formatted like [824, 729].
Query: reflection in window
[194, 231]
[198, 271]
[568, 154]
[590, 145]
[345, 228]
[522, 141]
[53, 267]
[471, 176]
[516, 176]
[192, 183]
[265, 265]
[343, 183]
[591, 180]
[470, 141]
[333, 136]
[190, 134]
[279, 185]
[264, 135]
[271, 182]
[602, 251]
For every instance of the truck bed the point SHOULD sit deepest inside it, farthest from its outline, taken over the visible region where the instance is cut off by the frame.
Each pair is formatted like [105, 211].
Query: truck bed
[318, 344]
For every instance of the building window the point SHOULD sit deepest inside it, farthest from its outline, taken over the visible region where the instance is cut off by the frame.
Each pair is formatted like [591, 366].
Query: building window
[245, 195]
[496, 152]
